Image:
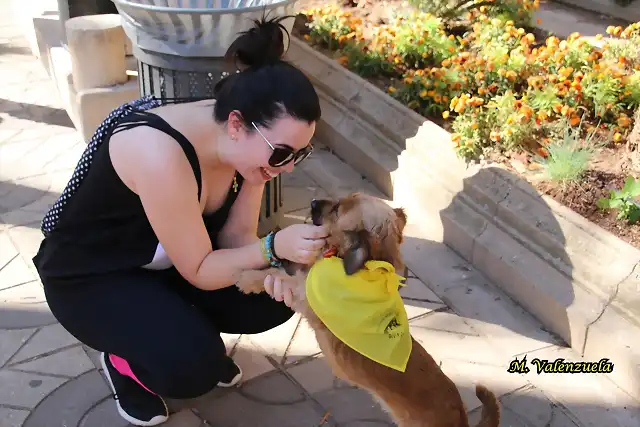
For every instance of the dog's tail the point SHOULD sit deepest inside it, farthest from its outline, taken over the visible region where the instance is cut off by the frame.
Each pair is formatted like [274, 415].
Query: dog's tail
[490, 407]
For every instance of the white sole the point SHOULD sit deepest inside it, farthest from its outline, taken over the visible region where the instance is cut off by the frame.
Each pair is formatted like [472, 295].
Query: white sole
[234, 381]
[136, 422]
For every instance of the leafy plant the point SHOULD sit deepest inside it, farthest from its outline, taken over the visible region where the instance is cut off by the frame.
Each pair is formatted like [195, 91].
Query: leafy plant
[623, 201]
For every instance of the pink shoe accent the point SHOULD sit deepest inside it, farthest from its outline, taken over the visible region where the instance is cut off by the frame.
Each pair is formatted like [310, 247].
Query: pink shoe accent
[123, 367]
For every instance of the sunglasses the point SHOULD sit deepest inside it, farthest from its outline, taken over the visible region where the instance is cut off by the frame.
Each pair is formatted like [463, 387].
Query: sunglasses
[283, 154]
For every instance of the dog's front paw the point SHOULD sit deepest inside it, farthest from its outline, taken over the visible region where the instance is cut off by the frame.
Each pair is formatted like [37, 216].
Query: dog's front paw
[252, 281]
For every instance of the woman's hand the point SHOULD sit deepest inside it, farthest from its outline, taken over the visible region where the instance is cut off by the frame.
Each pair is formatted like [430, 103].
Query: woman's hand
[278, 289]
[300, 243]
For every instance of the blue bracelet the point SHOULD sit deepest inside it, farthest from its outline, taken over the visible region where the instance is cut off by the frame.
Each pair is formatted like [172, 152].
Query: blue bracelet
[269, 241]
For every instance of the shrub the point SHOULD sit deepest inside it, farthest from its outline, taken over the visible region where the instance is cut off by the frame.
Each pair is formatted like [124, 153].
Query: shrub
[500, 87]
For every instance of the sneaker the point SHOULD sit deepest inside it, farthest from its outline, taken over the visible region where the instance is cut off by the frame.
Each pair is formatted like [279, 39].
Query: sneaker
[135, 404]
[232, 374]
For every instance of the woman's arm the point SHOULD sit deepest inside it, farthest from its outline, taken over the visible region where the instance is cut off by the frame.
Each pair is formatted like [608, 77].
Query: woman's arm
[242, 225]
[157, 170]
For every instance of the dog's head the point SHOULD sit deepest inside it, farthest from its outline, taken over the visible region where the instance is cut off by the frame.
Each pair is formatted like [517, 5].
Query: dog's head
[361, 228]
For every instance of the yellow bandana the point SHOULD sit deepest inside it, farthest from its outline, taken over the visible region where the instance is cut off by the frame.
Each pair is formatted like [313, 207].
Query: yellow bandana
[364, 310]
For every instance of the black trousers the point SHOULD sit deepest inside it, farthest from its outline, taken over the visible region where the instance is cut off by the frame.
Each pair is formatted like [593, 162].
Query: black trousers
[165, 328]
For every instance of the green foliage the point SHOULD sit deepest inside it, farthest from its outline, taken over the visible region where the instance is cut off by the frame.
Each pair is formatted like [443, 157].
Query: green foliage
[623, 201]
[569, 157]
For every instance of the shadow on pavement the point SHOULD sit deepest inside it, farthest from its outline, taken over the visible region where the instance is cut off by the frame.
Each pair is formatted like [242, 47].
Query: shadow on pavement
[36, 113]
[33, 202]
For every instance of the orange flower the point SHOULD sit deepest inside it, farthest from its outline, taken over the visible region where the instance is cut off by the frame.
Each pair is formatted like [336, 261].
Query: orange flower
[624, 121]
[575, 120]
[542, 152]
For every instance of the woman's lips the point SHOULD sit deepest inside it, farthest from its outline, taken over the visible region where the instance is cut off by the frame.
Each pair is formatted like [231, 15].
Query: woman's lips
[266, 174]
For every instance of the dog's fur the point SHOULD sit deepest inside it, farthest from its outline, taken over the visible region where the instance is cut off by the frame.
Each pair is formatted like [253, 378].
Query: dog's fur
[365, 228]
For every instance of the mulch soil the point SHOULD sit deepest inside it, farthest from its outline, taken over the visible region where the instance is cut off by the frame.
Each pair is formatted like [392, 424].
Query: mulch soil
[608, 171]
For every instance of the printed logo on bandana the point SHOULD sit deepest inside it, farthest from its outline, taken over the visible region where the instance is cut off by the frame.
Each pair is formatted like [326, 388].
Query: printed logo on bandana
[389, 330]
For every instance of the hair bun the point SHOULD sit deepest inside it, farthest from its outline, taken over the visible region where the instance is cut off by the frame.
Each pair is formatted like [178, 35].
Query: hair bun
[260, 45]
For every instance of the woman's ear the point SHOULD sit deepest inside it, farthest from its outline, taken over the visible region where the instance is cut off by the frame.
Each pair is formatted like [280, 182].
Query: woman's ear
[235, 125]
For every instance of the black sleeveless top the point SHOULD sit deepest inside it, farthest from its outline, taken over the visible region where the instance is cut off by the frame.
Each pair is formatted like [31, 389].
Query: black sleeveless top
[98, 225]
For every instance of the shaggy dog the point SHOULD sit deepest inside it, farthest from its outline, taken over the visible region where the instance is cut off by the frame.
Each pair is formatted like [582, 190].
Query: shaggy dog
[363, 228]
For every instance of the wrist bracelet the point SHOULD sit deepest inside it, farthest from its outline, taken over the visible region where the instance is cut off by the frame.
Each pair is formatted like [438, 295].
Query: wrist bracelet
[267, 251]
[272, 246]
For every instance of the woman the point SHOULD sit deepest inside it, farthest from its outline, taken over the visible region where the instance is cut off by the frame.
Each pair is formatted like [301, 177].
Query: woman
[141, 248]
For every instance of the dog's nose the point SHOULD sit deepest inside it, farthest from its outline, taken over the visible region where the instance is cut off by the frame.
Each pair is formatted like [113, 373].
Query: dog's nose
[314, 203]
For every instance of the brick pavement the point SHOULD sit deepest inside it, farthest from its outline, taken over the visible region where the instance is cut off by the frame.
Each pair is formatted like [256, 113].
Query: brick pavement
[49, 379]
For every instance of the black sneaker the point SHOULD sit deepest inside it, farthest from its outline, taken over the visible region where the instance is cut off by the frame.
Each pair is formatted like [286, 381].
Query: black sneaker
[231, 374]
[135, 404]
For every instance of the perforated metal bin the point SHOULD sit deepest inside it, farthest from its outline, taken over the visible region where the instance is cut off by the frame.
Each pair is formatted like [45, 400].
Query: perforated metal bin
[179, 45]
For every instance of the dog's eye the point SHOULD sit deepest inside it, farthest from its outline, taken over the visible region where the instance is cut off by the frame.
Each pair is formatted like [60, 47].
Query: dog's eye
[334, 209]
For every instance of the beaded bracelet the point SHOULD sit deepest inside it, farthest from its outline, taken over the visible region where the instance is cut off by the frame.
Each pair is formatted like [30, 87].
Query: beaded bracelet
[266, 245]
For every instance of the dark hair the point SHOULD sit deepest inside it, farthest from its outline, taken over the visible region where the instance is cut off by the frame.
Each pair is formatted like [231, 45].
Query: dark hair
[266, 87]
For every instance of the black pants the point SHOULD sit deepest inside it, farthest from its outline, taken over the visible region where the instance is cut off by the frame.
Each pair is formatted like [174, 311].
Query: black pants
[165, 328]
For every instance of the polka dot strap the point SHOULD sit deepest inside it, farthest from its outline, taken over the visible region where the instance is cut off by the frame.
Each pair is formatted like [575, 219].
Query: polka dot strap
[102, 133]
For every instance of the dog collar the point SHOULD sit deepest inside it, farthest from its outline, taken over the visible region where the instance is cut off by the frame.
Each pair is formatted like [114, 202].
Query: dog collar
[330, 252]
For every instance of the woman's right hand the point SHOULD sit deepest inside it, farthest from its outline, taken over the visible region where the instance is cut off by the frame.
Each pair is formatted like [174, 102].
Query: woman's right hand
[300, 243]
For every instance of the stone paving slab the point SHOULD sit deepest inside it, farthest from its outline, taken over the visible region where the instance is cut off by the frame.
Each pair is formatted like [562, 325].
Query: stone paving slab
[48, 379]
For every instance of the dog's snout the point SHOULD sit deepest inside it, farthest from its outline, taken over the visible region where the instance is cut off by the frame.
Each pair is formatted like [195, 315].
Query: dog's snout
[314, 204]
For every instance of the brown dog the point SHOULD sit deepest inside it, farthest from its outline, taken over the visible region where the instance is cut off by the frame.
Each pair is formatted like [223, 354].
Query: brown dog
[365, 228]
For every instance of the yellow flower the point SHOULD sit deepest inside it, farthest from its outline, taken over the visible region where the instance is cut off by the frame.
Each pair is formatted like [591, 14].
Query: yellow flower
[445, 115]
[391, 89]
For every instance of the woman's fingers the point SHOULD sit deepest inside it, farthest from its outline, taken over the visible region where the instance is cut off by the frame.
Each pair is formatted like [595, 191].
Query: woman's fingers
[314, 245]
[288, 297]
[277, 289]
[268, 285]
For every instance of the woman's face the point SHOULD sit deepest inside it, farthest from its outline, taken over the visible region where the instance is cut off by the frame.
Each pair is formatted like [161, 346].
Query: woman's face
[256, 147]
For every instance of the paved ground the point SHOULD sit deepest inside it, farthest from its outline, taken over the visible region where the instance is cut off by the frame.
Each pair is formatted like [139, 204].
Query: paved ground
[48, 379]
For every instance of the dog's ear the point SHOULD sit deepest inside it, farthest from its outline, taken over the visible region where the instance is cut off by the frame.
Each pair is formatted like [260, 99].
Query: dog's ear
[401, 221]
[358, 251]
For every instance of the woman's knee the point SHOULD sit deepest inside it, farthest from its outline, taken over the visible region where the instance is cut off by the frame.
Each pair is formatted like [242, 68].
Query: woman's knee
[187, 373]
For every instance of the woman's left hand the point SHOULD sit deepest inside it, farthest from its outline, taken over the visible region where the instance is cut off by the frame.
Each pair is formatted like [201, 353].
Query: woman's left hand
[279, 289]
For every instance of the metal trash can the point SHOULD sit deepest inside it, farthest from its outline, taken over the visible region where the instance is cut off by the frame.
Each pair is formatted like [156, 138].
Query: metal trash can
[180, 45]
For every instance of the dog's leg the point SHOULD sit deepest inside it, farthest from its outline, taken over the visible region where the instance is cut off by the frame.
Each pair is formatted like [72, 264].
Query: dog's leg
[252, 281]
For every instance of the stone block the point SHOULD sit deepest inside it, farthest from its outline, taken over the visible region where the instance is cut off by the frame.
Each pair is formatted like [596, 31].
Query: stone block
[46, 341]
[95, 104]
[70, 363]
[72, 404]
[97, 47]
[304, 343]
[529, 407]
[314, 375]
[352, 138]
[11, 341]
[25, 390]
[269, 401]
[12, 417]
[276, 341]
[251, 360]
[447, 336]
[593, 399]
[613, 337]
[350, 406]
[551, 297]
[419, 299]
